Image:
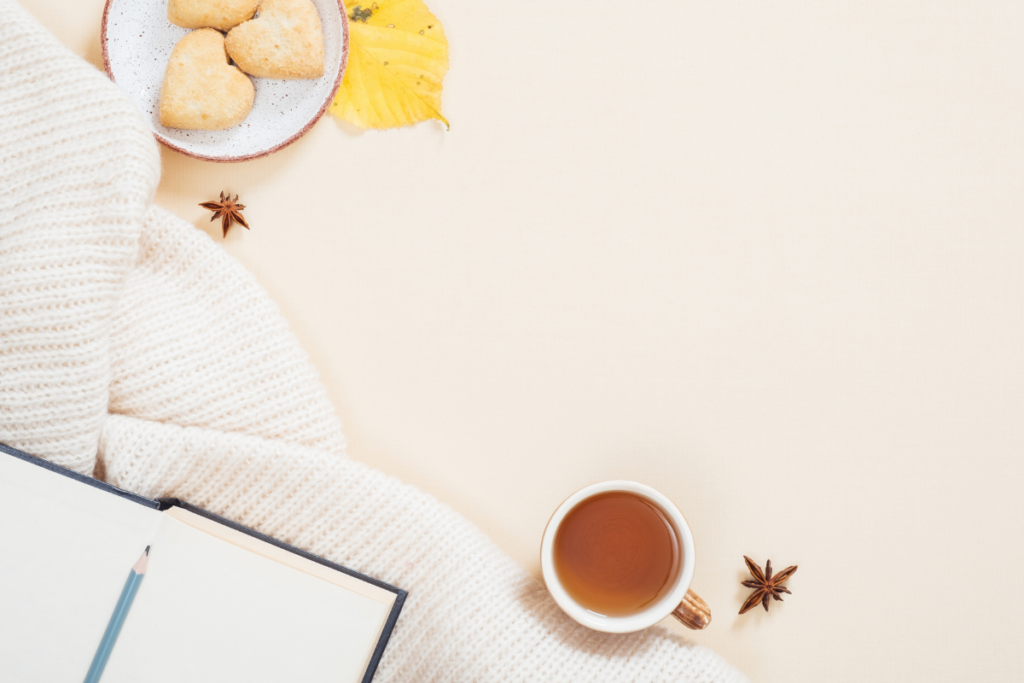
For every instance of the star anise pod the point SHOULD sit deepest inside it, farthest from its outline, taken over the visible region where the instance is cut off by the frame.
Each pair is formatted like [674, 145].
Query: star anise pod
[765, 584]
[228, 211]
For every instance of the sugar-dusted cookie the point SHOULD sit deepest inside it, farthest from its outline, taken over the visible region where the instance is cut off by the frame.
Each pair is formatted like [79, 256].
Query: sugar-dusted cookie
[201, 89]
[219, 14]
[284, 41]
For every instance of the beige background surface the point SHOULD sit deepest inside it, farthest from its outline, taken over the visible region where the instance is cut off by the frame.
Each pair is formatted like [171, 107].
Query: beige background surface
[767, 258]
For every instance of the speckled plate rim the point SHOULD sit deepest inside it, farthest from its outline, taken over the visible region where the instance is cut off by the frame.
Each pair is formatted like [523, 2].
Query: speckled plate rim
[225, 159]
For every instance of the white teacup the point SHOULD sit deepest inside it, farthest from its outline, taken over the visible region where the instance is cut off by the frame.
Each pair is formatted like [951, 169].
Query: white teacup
[678, 600]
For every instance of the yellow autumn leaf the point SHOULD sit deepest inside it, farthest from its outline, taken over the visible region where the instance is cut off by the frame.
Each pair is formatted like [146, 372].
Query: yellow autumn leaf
[397, 56]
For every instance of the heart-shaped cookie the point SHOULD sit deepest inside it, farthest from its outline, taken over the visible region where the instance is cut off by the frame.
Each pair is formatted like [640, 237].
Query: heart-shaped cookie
[219, 14]
[284, 41]
[201, 89]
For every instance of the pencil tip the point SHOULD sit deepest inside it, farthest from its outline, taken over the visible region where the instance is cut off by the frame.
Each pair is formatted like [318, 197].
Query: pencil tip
[147, 550]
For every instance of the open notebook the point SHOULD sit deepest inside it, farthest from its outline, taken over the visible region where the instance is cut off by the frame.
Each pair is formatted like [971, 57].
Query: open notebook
[218, 602]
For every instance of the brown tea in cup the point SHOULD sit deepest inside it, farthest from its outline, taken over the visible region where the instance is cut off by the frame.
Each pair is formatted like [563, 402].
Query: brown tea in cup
[616, 553]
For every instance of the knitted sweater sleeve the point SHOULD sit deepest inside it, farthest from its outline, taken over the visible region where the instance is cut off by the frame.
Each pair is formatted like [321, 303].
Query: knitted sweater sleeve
[78, 166]
[114, 321]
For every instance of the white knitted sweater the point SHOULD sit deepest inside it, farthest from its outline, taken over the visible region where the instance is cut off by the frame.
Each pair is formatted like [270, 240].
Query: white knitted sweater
[133, 348]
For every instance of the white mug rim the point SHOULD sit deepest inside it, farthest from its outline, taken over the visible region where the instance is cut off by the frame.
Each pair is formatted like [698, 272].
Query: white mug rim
[633, 622]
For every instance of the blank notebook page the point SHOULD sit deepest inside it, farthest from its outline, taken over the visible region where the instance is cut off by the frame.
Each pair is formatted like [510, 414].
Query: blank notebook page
[65, 552]
[210, 611]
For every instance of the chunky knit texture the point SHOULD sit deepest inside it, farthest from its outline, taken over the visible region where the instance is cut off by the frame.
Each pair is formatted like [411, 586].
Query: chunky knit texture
[77, 168]
[114, 318]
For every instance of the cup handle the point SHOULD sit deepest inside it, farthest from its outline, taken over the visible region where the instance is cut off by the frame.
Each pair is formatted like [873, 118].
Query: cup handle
[693, 612]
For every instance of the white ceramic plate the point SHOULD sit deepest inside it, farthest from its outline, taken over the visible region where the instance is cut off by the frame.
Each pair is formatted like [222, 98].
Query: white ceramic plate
[137, 42]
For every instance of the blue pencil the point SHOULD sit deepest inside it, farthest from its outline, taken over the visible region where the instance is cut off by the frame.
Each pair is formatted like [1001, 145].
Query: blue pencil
[124, 603]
